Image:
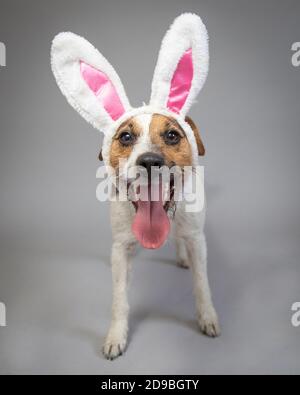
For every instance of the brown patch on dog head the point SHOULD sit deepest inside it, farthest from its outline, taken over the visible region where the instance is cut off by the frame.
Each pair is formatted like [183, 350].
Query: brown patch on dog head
[118, 150]
[200, 146]
[179, 151]
[100, 157]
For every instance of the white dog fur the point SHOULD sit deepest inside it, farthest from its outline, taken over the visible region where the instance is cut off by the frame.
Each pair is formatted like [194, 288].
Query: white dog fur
[68, 50]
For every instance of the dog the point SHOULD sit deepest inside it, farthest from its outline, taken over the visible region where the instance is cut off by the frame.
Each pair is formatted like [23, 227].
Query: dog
[155, 136]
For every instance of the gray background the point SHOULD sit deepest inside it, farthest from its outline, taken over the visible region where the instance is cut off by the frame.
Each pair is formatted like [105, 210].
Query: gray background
[55, 237]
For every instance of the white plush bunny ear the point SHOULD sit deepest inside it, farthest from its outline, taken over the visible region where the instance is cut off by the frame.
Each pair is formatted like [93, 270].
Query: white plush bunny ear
[88, 81]
[182, 65]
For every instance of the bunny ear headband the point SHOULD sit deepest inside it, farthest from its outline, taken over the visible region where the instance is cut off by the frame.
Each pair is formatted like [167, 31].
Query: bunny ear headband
[93, 88]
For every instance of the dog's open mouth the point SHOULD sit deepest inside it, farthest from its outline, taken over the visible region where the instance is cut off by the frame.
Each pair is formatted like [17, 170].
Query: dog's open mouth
[151, 225]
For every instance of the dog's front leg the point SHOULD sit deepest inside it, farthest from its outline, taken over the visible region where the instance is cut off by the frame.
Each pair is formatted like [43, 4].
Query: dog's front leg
[116, 340]
[207, 316]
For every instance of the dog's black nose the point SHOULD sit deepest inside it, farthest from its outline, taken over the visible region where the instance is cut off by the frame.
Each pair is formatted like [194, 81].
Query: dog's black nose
[150, 159]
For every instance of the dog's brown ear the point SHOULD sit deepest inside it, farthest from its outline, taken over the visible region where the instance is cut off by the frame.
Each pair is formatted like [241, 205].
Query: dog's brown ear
[200, 146]
[100, 156]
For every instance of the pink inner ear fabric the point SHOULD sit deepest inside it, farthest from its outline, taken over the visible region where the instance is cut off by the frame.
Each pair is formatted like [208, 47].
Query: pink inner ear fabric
[103, 88]
[181, 82]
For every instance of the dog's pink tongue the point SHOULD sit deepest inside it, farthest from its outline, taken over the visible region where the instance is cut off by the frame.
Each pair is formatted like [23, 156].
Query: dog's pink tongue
[151, 225]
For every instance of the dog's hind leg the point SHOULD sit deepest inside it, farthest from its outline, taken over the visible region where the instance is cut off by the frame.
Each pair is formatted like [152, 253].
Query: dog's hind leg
[181, 253]
[116, 340]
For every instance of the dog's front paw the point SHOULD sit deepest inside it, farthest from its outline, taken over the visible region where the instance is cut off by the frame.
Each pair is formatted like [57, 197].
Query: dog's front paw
[114, 345]
[209, 323]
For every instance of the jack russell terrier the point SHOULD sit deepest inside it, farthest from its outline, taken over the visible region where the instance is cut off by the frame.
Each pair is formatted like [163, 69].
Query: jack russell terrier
[153, 136]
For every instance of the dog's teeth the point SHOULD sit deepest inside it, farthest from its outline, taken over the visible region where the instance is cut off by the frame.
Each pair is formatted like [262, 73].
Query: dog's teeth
[171, 211]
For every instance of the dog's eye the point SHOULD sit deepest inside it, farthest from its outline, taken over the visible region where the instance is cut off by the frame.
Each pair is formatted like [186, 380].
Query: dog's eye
[172, 137]
[126, 138]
